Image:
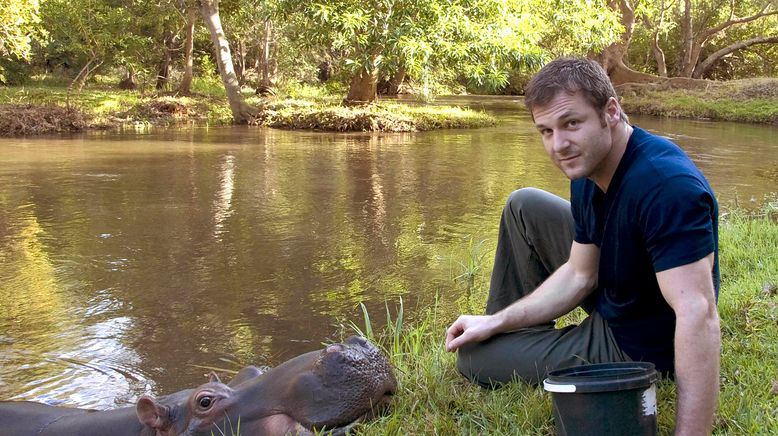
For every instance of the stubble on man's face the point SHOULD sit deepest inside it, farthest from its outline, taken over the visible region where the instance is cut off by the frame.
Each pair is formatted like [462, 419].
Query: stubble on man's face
[575, 135]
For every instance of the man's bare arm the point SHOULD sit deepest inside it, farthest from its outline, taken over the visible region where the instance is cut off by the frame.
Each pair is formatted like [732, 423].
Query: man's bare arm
[556, 296]
[689, 290]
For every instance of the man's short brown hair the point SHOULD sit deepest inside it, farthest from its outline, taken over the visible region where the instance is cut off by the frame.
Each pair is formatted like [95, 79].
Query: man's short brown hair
[570, 75]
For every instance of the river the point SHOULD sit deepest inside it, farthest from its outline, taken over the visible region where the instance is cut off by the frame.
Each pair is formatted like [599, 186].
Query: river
[130, 261]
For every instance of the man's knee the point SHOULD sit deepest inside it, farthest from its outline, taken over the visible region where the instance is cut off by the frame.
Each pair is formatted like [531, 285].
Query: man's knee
[470, 365]
[526, 198]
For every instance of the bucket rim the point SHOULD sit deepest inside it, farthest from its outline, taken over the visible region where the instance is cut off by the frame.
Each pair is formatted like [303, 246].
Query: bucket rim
[601, 377]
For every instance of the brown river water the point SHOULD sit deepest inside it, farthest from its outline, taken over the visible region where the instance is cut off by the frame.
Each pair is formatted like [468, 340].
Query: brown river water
[129, 261]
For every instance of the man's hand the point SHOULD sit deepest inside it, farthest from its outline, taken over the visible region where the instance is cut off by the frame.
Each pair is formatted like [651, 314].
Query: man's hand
[470, 328]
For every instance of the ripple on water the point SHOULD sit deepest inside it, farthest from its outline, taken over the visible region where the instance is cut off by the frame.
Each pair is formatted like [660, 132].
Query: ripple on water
[102, 373]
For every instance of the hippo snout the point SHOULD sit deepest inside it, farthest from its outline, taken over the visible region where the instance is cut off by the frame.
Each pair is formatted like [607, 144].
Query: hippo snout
[354, 379]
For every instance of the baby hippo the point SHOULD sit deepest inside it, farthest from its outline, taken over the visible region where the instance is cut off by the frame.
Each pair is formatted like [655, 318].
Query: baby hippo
[331, 389]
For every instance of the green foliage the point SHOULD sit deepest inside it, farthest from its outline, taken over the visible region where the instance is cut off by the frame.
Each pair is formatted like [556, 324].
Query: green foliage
[480, 42]
[19, 21]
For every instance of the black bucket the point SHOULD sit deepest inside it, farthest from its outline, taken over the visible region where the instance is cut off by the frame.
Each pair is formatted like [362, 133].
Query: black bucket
[604, 399]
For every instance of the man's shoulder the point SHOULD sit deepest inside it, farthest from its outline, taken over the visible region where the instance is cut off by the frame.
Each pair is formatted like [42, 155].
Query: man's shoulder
[655, 161]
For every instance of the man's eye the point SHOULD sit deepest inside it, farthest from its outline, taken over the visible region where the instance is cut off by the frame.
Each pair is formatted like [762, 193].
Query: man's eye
[572, 123]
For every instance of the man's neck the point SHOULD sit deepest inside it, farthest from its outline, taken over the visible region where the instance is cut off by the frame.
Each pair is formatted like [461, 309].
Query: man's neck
[619, 136]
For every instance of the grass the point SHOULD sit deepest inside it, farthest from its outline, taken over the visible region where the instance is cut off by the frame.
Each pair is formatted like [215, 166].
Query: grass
[434, 399]
[748, 100]
[307, 107]
[326, 114]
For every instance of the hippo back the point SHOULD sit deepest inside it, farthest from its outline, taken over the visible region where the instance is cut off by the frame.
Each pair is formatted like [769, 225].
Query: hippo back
[23, 418]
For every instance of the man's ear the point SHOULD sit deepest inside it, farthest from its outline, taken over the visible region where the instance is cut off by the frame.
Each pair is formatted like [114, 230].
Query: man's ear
[151, 413]
[612, 112]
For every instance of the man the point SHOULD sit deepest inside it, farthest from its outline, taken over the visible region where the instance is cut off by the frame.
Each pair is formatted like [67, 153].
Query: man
[637, 248]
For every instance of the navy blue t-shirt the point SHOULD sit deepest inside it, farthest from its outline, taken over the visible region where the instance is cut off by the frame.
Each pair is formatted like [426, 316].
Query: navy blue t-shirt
[659, 213]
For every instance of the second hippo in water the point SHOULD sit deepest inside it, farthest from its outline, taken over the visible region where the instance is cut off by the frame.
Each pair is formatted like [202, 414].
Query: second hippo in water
[330, 389]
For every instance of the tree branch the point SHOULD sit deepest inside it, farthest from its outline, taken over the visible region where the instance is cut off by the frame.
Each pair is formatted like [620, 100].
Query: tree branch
[705, 65]
[731, 22]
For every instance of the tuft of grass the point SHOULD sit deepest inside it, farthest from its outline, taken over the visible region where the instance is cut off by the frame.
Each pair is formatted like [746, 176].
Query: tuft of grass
[434, 399]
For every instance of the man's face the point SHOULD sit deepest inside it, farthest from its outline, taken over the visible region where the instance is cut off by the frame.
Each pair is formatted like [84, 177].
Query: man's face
[575, 135]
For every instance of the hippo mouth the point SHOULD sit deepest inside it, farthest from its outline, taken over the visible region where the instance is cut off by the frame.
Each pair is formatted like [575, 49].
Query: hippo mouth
[344, 429]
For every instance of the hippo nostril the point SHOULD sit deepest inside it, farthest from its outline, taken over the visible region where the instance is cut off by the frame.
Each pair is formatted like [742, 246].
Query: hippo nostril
[334, 348]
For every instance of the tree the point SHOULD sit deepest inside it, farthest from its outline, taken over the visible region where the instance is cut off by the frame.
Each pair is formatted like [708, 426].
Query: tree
[90, 34]
[709, 20]
[241, 112]
[18, 22]
[480, 41]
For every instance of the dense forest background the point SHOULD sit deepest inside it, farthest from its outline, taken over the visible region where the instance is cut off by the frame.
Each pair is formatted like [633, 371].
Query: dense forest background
[364, 47]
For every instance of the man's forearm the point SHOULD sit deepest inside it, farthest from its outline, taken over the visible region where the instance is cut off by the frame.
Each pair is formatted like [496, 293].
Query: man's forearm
[556, 296]
[697, 354]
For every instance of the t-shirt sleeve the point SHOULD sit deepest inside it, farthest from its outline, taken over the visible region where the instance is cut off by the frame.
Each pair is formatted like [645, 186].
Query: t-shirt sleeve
[678, 223]
[576, 206]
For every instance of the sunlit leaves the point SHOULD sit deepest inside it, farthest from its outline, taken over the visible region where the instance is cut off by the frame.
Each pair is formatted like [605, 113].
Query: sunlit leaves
[479, 40]
[19, 20]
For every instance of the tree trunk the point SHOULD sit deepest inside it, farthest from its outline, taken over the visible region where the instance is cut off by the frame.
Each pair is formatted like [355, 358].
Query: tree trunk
[656, 49]
[241, 112]
[612, 57]
[396, 82]
[80, 80]
[240, 61]
[659, 55]
[168, 38]
[687, 40]
[363, 88]
[705, 65]
[266, 43]
[325, 71]
[186, 81]
[128, 82]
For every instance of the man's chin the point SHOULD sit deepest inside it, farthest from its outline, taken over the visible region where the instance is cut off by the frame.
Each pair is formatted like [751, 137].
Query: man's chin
[574, 174]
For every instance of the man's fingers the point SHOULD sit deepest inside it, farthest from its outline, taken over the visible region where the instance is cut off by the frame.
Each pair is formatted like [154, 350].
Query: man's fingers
[455, 343]
[452, 332]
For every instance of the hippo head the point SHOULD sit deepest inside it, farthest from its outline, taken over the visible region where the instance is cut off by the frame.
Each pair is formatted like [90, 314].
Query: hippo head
[342, 384]
[331, 389]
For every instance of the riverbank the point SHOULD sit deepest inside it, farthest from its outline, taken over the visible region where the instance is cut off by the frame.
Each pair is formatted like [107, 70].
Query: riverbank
[748, 100]
[434, 399]
[46, 109]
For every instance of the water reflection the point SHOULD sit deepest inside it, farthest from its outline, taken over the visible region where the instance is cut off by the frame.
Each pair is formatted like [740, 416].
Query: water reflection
[127, 262]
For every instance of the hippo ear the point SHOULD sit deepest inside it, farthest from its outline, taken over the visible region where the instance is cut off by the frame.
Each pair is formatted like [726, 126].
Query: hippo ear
[151, 413]
[245, 374]
[214, 378]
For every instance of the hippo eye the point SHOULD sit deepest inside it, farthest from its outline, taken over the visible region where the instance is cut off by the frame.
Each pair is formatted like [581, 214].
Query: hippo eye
[205, 401]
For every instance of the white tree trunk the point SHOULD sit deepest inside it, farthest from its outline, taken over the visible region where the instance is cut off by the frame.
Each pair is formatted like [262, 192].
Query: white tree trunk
[241, 112]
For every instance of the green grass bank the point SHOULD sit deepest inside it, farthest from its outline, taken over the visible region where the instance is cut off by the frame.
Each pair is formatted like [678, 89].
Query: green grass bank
[748, 100]
[42, 108]
[433, 399]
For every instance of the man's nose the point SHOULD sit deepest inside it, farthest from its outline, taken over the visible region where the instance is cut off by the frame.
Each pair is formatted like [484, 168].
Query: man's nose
[560, 141]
